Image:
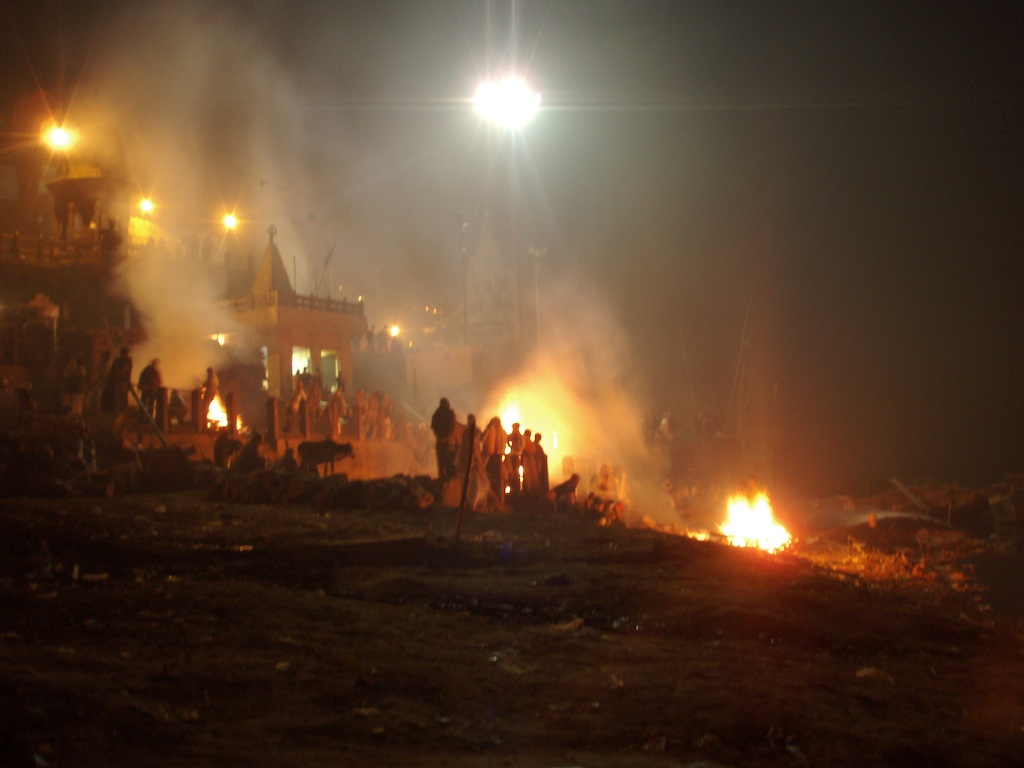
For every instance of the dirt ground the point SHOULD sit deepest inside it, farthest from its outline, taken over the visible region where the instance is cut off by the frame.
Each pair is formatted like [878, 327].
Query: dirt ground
[170, 631]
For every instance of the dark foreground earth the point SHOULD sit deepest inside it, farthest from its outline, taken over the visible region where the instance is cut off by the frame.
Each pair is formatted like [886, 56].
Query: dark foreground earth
[172, 631]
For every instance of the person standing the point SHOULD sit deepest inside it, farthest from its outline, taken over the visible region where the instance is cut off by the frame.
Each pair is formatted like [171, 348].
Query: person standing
[386, 418]
[492, 446]
[337, 410]
[119, 381]
[442, 424]
[516, 443]
[531, 482]
[540, 457]
[359, 407]
[297, 401]
[150, 381]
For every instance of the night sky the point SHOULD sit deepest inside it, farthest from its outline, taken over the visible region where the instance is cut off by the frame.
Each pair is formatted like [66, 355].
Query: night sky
[832, 192]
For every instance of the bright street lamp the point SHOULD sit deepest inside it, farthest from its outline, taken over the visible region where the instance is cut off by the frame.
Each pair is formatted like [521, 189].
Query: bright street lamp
[510, 103]
[230, 221]
[146, 205]
[59, 138]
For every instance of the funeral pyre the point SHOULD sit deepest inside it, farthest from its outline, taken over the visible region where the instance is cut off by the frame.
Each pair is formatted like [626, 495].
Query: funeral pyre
[749, 522]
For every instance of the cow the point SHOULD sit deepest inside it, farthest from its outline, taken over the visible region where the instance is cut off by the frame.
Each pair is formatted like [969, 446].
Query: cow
[313, 453]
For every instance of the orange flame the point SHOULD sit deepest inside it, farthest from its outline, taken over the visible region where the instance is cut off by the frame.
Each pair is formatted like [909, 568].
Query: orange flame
[750, 524]
[216, 414]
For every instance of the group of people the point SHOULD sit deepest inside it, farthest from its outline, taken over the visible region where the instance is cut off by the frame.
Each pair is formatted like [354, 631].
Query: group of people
[380, 342]
[501, 463]
[374, 415]
[116, 387]
[370, 416]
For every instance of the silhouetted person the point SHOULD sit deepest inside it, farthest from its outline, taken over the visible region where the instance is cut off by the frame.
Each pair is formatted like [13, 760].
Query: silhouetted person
[516, 443]
[224, 447]
[297, 401]
[442, 424]
[150, 381]
[287, 463]
[492, 446]
[119, 381]
[541, 459]
[249, 458]
[337, 410]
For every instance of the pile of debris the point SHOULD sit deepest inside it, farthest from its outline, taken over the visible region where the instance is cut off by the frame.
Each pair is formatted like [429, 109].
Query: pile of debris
[274, 486]
[49, 457]
[994, 514]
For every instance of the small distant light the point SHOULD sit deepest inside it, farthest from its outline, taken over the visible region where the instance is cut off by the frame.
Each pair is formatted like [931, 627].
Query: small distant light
[146, 205]
[230, 221]
[394, 330]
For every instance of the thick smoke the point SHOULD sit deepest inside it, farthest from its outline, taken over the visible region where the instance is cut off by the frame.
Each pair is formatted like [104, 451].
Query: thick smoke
[580, 388]
[211, 109]
[180, 102]
[329, 126]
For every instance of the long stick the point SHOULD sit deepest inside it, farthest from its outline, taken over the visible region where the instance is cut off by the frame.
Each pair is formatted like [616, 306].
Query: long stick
[471, 428]
[163, 440]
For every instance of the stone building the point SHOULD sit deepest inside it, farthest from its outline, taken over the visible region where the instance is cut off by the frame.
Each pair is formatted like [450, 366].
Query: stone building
[296, 332]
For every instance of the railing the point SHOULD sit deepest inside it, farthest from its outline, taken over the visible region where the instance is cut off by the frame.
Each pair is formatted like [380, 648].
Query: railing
[48, 251]
[279, 299]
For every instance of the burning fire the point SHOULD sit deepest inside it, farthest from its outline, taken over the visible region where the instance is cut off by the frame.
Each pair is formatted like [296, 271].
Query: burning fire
[216, 414]
[750, 524]
[533, 411]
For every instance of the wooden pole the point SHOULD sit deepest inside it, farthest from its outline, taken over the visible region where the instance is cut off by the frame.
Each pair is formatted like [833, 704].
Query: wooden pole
[159, 434]
[471, 431]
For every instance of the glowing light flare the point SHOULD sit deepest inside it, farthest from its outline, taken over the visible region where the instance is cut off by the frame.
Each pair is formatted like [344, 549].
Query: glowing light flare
[510, 102]
[59, 138]
[750, 523]
[393, 330]
[509, 414]
[230, 221]
[146, 205]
